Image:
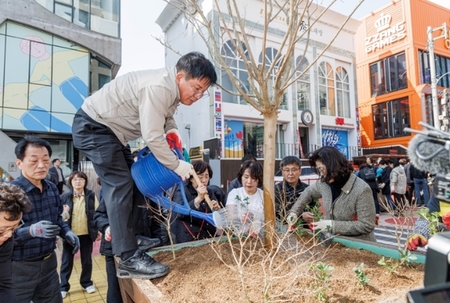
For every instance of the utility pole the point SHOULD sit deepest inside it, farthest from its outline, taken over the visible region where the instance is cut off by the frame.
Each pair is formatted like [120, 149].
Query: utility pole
[434, 99]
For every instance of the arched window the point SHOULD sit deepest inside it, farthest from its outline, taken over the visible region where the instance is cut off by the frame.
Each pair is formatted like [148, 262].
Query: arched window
[271, 54]
[342, 93]
[326, 90]
[303, 85]
[236, 64]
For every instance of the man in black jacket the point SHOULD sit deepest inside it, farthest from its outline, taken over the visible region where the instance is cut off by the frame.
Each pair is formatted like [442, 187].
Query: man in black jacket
[419, 178]
[288, 191]
[365, 173]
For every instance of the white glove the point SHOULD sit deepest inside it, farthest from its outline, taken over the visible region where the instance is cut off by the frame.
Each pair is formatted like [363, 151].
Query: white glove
[184, 170]
[322, 224]
[108, 234]
[292, 218]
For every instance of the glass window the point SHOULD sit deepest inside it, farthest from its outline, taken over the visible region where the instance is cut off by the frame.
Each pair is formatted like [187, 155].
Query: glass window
[271, 59]
[390, 119]
[303, 84]
[342, 93]
[388, 75]
[326, 90]
[238, 69]
[98, 15]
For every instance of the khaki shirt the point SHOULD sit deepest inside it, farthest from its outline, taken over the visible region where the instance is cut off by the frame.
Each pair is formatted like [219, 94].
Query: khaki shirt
[139, 104]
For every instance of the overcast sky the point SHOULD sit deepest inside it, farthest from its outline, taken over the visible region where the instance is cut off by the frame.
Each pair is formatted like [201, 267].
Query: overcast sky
[141, 51]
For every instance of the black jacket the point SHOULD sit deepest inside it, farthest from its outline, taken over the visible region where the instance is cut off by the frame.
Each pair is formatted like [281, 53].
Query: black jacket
[286, 196]
[101, 223]
[362, 172]
[89, 198]
[188, 228]
[415, 173]
[386, 179]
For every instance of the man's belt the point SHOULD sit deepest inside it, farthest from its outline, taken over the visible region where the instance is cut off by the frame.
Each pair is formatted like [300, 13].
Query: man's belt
[40, 258]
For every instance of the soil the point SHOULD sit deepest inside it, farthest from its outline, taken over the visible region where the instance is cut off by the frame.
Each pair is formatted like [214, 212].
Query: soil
[209, 273]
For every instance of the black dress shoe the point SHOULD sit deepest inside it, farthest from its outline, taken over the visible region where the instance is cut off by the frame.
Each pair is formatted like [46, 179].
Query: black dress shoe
[146, 243]
[141, 266]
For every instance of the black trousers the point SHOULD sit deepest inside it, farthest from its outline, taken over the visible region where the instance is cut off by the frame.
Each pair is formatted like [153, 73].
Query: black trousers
[86, 247]
[36, 281]
[112, 162]
[113, 294]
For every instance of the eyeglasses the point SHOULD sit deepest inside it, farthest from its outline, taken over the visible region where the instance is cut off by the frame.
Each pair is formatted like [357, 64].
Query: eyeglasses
[79, 180]
[12, 229]
[292, 170]
[198, 93]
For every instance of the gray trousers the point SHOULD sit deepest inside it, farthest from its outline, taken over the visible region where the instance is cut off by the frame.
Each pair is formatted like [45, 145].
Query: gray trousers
[112, 162]
[36, 281]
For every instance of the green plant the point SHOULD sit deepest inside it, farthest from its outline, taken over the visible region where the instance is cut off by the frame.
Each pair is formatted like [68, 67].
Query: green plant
[315, 210]
[363, 280]
[321, 279]
[391, 265]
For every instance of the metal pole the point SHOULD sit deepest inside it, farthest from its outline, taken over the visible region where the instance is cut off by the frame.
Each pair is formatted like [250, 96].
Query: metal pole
[434, 99]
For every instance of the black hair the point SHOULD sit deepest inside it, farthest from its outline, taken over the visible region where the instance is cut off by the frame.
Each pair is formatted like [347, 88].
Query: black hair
[290, 160]
[13, 201]
[247, 157]
[336, 164]
[54, 160]
[256, 171]
[395, 162]
[196, 66]
[78, 174]
[200, 167]
[31, 140]
[383, 162]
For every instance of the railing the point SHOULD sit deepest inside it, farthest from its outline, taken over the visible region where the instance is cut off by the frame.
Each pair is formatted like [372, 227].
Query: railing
[234, 149]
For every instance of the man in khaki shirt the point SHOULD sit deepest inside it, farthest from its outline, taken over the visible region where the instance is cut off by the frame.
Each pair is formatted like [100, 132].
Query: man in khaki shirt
[137, 104]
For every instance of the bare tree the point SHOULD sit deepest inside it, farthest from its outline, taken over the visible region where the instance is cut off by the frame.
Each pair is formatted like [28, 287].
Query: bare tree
[268, 76]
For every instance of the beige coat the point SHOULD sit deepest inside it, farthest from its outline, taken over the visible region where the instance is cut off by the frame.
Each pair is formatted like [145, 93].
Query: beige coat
[139, 104]
[398, 180]
[353, 211]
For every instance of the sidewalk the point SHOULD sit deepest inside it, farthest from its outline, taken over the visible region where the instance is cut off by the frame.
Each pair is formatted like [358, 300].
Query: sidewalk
[76, 294]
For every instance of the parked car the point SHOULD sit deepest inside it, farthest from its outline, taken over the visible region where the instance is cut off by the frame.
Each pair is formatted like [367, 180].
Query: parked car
[307, 176]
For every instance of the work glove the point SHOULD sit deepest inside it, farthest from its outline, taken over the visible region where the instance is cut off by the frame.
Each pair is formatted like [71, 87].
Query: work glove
[322, 225]
[291, 220]
[174, 140]
[446, 220]
[73, 240]
[184, 170]
[108, 234]
[44, 229]
[415, 241]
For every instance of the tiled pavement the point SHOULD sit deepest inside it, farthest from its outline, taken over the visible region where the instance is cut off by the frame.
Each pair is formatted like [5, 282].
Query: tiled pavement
[76, 294]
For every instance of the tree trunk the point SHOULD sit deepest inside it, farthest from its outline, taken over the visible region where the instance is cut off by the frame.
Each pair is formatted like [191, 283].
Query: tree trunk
[270, 131]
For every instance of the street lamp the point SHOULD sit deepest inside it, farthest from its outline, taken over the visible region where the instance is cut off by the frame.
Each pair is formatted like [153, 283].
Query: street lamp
[431, 39]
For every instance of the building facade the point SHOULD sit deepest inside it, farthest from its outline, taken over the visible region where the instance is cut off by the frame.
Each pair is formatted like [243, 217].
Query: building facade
[318, 109]
[393, 71]
[53, 54]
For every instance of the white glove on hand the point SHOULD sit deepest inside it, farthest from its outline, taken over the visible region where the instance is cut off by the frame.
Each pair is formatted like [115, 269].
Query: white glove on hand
[184, 170]
[108, 234]
[291, 219]
[174, 139]
[322, 224]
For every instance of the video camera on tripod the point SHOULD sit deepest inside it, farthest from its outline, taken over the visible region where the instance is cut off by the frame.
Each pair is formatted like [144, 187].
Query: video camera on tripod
[429, 151]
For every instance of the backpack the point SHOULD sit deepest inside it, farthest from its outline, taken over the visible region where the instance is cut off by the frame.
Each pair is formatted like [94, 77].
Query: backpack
[369, 174]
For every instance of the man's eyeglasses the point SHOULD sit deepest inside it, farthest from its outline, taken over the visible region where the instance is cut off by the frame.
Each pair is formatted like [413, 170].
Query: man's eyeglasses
[12, 229]
[292, 170]
[198, 93]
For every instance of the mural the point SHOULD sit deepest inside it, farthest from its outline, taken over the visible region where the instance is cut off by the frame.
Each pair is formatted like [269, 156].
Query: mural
[45, 80]
[234, 139]
[337, 139]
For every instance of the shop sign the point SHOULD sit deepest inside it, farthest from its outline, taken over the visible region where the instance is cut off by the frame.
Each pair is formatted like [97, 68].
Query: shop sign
[386, 34]
[341, 121]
